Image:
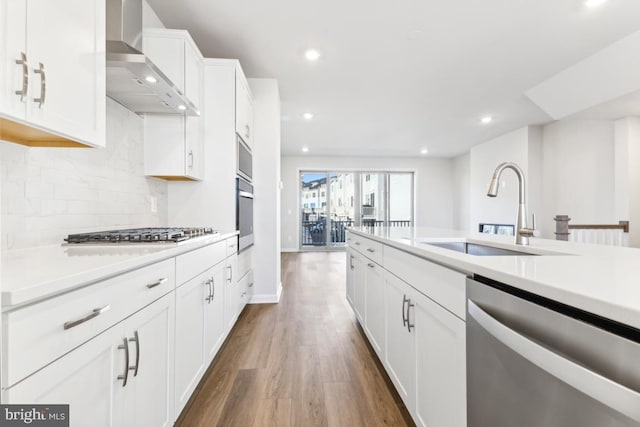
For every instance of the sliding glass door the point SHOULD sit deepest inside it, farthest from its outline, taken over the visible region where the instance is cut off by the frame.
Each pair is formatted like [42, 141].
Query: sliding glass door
[332, 201]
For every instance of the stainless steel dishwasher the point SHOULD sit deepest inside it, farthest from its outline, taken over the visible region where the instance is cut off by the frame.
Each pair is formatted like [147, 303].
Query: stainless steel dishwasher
[535, 362]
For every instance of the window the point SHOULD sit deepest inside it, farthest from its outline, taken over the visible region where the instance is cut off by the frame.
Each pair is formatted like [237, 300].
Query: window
[322, 194]
[324, 204]
[313, 194]
[372, 199]
[367, 178]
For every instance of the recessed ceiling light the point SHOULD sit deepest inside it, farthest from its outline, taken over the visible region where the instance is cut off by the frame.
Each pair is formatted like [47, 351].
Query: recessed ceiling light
[305, 149]
[308, 116]
[312, 55]
[181, 107]
[594, 3]
[424, 151]
[151, 79]
[486, 120]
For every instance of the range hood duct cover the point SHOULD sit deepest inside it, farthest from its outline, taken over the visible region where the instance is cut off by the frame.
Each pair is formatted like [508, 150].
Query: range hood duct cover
[132, 79]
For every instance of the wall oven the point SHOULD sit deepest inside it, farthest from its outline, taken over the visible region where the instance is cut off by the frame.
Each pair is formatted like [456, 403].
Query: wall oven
[534, 362]
[244, 213]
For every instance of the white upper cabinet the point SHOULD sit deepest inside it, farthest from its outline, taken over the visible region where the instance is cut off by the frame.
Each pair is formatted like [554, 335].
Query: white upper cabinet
[173, 145]
[53, 72]
[244, 110]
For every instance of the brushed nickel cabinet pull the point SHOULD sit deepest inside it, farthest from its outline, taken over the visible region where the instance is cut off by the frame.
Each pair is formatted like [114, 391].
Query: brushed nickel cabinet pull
[404, 319]
[43, 85]
[370, 265]
[409, 325]
[94, 313]
[158, 283]
[136, 339]
[191, 158]
[25, 76]
[208, 298]
[124, 346]
[351, 262]
[230, 273]
[370, 250]
[213, 288]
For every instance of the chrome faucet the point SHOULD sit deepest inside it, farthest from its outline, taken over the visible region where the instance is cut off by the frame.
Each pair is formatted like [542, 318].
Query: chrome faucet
[522, 231]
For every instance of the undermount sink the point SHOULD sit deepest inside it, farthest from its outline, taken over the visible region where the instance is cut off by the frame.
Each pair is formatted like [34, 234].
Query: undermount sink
[477, 249]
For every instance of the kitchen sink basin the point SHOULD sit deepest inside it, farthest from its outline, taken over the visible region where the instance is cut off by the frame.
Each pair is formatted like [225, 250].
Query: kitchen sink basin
[477, 249]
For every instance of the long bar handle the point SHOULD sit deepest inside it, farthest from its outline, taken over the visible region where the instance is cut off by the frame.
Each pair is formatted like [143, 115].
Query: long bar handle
[124, 346]
[25, 76]
[409, 325]
[209, 297]
[245, 194]
[213, 288]
[616, 396]
[230, 273]
[404, 318]
[351, 262]
[94, 313]
[157, 283]
[43, 85]
[136, 339]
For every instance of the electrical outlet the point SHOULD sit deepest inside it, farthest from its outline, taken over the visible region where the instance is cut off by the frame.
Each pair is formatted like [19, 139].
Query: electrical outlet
[153, 204]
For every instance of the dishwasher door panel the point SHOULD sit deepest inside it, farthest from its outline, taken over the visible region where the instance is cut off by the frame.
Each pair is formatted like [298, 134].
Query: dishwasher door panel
[530, 366]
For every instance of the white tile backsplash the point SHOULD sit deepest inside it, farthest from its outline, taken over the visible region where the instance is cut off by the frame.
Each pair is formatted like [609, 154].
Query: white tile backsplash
[48, 193]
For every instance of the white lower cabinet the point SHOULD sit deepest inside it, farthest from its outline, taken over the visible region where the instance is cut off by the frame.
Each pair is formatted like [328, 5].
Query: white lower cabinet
[360, 297]
[351, 286]
[148, 400]
[420, 342]
[400, 352]
[85, 379]
[214, 332]
[441, 371]
[231, 293]
[375, 307]
[189, 354]
[99, 385]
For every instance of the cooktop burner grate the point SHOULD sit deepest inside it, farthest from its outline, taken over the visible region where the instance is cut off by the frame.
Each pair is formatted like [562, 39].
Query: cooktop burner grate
[139, 235]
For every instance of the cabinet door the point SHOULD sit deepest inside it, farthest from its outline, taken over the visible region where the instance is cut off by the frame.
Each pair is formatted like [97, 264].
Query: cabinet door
[401, 343]
[193, 125]
[231, 293]
[86, 379]
[351, 278]
[214, 326]
[441, 368]
[66, 50]
[375, 307]
[360, 286]
[248, 118]
[189, 354]
[241, 106]
[149, 395]
[12, 47]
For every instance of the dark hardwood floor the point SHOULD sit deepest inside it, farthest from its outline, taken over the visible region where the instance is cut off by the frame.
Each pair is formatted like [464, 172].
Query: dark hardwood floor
[303, 362]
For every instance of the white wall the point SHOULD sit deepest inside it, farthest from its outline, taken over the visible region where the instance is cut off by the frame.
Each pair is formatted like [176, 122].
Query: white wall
[266, 187]
[627, 175]
[521, 147]
[578, 158]
[48, 193]
[461, 172]
[433, 187]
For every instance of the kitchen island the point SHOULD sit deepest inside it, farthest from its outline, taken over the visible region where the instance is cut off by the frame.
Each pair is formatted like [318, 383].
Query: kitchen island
[411, 290]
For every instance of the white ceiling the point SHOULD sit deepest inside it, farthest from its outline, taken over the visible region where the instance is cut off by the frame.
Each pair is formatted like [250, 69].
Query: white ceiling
[396, 76]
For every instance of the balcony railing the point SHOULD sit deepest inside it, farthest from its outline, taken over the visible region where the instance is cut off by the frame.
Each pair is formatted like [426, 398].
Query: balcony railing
[314, 232]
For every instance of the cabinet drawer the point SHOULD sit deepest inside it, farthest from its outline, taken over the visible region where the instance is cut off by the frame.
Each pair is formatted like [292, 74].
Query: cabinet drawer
[367, 247]
[244, 262]
[441, 284]
[192, 263]
[232, 245]
[34, 336]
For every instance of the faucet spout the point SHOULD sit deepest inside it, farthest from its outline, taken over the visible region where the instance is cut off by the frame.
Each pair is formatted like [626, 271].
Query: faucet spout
[522, 232]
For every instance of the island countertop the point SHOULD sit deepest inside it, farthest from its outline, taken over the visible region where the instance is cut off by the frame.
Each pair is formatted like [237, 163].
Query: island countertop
[603, 280]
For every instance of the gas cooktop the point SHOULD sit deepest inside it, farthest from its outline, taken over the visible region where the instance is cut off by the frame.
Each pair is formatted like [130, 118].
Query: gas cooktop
[139, 235]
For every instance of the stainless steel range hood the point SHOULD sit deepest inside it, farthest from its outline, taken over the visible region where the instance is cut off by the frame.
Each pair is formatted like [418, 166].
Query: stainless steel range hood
[132, 79]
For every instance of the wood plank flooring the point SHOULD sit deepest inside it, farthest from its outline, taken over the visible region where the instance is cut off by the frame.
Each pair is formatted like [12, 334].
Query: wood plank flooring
[303, 362]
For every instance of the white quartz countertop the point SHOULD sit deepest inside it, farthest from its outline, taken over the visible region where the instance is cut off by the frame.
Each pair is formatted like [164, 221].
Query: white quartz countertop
[603, 280]
[30, 275]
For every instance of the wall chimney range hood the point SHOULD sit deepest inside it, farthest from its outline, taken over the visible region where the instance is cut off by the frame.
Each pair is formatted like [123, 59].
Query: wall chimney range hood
[132, 79]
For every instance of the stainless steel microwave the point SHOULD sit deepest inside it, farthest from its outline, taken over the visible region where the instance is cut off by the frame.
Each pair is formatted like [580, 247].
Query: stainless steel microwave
[245, 162]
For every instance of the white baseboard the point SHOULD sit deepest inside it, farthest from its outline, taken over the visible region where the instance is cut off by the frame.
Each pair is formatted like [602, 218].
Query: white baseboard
[289, 250]
[267, 298]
